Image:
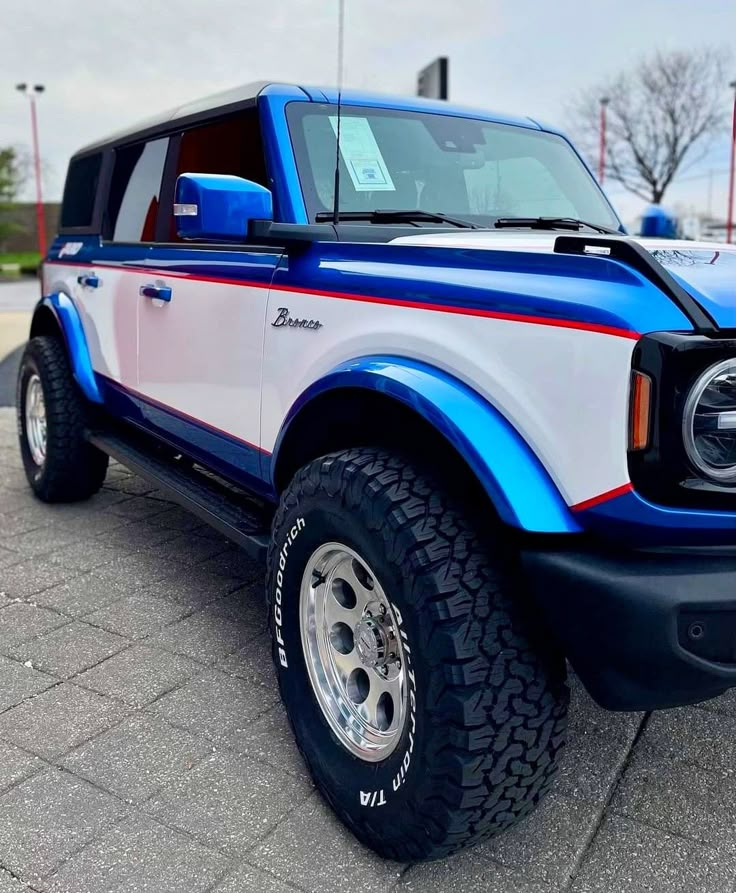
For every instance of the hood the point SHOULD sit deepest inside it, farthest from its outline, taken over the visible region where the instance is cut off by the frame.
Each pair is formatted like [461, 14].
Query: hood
[707, 270]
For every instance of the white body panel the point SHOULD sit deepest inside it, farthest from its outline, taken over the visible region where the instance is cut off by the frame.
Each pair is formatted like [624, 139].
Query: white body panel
[565, 390]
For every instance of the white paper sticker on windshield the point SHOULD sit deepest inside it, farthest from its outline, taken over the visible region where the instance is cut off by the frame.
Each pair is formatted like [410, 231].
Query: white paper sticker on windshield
[362, 156]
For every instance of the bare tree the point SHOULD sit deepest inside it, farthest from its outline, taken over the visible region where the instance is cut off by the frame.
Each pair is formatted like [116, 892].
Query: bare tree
[660, 117]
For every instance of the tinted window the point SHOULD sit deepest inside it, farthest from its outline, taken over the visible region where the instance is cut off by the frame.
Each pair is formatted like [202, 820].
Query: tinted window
[231, 145]
[80, 190]
[134, 191]
[461, 166]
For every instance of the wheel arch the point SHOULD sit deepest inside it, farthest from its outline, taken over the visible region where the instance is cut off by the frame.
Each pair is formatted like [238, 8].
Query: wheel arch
[422, 408]
[56, 315]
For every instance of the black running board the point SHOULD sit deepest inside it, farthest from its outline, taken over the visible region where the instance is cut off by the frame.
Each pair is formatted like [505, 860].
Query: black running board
[231, 512]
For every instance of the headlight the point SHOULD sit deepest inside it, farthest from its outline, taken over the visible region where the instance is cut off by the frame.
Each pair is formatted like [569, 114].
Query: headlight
[709, 423]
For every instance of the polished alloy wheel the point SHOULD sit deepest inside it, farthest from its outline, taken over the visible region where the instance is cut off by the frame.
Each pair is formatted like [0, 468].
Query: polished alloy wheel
[36, 420]
[353, 652]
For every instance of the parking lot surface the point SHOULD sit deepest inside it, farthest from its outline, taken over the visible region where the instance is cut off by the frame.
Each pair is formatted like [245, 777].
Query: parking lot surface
[143, 745]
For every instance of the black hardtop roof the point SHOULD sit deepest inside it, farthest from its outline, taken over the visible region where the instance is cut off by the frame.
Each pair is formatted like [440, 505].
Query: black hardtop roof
[226, 101]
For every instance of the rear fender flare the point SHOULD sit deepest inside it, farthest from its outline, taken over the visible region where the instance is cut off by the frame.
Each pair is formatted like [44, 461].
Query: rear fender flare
[67, 318]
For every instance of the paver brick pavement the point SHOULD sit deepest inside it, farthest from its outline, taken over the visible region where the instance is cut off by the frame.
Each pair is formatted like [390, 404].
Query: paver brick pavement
[143, 745]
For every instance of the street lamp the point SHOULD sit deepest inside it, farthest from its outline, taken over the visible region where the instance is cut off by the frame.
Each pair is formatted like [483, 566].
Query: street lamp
[729, 217]
[602, 154]
[32, 92]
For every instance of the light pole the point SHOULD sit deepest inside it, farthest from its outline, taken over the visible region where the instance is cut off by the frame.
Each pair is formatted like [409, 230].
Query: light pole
[32, 92]
[729, 216]
[602, 153]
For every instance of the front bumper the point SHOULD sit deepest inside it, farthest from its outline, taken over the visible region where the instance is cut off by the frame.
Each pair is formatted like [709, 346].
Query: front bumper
[643, 630]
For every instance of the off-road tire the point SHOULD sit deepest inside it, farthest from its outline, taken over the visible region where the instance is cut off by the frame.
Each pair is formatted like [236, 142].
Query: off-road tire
[73, 470]
[491, 705]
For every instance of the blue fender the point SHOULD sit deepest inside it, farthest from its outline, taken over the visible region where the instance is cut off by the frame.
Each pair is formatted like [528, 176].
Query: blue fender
[517, 483]
[67, 316]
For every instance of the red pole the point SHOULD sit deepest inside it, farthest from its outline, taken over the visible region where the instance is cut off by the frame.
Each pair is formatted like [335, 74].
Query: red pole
[602, 152]
[729, 216]
[40, 221]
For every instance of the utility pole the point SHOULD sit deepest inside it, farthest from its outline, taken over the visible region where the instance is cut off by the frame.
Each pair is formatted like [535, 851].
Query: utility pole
[602, 153]
[32, 93]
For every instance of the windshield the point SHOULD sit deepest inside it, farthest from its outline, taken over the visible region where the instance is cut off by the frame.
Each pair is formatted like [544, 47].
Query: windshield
[476, 170]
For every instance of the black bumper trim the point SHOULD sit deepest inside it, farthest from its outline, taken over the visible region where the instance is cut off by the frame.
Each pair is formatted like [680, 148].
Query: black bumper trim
[641, 628]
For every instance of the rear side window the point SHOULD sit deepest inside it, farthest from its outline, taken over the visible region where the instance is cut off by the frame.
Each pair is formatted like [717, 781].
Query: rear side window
[80, 190]
[134, 192]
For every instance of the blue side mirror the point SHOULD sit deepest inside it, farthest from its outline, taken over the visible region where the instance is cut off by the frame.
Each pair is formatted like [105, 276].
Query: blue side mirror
[219, 207]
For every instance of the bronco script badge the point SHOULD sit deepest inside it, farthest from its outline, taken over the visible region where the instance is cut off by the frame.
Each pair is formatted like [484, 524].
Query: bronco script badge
[284, 319]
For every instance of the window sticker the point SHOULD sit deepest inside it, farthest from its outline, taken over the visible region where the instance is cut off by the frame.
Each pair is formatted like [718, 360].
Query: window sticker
[362, 156]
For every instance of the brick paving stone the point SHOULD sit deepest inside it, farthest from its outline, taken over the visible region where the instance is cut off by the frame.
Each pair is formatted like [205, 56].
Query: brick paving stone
[46, 540]
[193, 589]
[138, 855]
[228, 802]
[58, 719]
[723, 704]
[18, 521]
[8, 557]
[137, 758]
[85, 555]
[18, 683]
[271, 740]
[691, 735]
[247, 879]
[15, 765]
[343, 863]
[627, 856]
[82, 594]
[234, 562]
[189, 549]
[253, 662]
[48, 816]
[679, 797]
[27, 578]
[132, 537]
[136, 616]
[9, 884]
[547, 845]
[220, 708]
[20, 622]
[138, 569]
[69, 650]
[175, 518]
[139, 675]
[466, 874]
[136, 508]
[206, 637]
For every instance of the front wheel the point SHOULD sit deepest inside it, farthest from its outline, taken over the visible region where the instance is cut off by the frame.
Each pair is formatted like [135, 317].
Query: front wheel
[427, 717]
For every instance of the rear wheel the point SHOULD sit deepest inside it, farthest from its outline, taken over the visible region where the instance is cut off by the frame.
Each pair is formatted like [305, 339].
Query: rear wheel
[60, 465]
[427, 716]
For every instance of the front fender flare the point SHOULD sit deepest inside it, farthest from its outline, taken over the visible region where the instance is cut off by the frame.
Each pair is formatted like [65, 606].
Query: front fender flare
[67, 317]
[517, 483]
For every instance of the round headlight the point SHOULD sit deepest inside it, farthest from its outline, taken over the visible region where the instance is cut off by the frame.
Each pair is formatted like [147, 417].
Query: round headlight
[709, 423]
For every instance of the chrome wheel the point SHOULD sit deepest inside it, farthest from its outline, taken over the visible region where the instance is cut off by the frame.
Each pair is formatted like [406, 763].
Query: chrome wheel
[353, 652]
[35, 419]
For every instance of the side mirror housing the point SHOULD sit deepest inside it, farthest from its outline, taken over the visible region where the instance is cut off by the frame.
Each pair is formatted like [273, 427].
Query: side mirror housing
[219, 207]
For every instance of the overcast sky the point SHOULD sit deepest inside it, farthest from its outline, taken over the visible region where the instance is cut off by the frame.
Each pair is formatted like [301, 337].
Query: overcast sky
[108, 63]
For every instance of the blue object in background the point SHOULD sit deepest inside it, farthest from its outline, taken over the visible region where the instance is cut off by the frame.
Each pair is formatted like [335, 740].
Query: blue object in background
[658, 223]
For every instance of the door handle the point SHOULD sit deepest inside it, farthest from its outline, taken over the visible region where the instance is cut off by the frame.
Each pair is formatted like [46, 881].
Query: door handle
[89, 280]
[161, 292]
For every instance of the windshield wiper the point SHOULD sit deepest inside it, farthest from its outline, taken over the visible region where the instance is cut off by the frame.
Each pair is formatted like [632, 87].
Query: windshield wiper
[399, 216]
[552, 223]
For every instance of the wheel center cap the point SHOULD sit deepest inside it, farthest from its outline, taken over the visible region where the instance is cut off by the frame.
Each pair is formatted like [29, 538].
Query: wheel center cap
[370, 642]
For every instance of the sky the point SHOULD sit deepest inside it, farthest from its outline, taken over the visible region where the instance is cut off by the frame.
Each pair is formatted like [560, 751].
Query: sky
[108, 63]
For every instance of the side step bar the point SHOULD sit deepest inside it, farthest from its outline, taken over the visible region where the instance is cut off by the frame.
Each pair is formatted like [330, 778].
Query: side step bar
[231, 512]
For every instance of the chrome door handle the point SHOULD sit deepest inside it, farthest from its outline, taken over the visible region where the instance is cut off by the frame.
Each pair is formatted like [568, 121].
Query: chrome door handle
[161, 292]
[89, 280]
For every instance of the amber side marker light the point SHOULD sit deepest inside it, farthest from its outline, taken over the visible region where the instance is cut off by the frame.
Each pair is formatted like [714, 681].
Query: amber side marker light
[640, 410]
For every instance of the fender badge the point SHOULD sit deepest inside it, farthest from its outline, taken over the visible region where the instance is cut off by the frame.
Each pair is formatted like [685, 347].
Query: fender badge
[285, 319]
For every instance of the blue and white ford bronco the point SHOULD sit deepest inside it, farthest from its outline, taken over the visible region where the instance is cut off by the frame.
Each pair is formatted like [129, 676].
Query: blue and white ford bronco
[475, 430]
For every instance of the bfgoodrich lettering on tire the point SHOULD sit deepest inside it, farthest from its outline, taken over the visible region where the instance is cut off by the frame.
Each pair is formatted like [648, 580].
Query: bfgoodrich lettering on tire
[427, 717]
